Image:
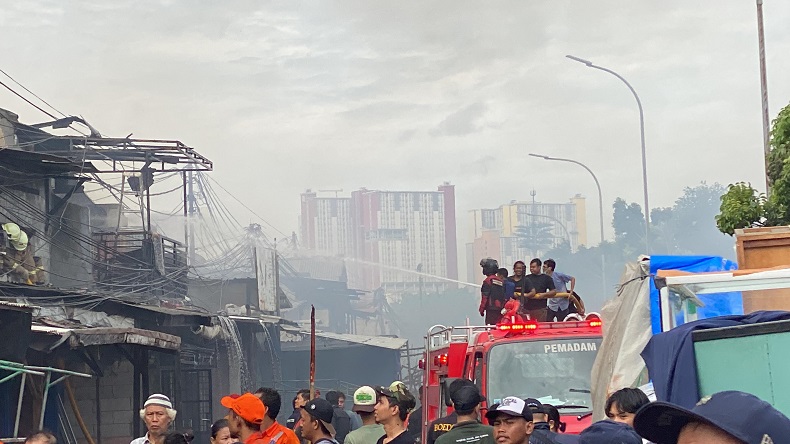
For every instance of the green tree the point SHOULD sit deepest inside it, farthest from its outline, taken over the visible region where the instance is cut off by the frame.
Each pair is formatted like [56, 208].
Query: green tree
[629, 226]
[536, 237]
[742, 206]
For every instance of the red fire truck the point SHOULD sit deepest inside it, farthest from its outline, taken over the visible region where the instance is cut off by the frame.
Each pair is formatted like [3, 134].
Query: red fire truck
[550, 361]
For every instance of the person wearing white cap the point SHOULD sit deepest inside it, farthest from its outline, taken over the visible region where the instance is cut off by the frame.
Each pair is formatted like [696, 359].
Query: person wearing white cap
[512, 421]
[365, 399]
[158, 413]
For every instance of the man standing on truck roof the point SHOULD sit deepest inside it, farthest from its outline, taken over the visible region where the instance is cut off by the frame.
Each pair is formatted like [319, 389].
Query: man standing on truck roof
[523, 286]
[558, 307]
[492, 292]
[536, 306]
[468, 429]
[444, 424]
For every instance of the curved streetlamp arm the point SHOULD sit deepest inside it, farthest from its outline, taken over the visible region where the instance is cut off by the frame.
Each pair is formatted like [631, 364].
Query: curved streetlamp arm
[595, 178]
[600, 209]
[642, 139]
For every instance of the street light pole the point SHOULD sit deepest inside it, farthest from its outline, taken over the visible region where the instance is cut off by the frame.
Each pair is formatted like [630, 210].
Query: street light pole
[764, 94]
[642, 135]
[600, 210]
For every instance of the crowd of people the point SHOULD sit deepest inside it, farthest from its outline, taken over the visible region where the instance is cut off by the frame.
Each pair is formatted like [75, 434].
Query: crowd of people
[378, 416]
[388, 416]
[729, 417]
[542, 295]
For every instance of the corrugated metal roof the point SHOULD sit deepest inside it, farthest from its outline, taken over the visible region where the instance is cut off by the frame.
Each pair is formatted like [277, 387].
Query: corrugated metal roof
[372, 341]
[267, 319]
[5, 305]
[82, 337]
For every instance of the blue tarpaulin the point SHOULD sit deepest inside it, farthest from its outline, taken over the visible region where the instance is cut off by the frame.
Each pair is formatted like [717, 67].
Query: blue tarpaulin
[719, 304]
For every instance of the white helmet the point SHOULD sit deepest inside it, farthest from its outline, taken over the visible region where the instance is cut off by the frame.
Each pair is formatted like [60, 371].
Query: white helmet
[12, 230]
[21, 243]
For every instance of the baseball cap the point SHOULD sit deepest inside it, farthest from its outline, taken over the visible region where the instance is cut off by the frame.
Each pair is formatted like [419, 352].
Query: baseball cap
[466, 398]
[364, 399]
[248, 406]
[321, 409]
[512, 406]
[609, 432]
[398, 391]
[158, 399]
[742, 415]
[535, 405]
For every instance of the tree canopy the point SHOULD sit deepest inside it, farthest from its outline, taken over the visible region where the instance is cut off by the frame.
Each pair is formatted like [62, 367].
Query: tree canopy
[742, 206]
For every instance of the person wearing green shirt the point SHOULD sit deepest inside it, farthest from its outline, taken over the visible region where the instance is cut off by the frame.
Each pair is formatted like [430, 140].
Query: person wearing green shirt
[468, 429]
[364, 403]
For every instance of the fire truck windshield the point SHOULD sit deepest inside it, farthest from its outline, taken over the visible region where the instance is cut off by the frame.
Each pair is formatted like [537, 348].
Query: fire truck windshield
[555, 371]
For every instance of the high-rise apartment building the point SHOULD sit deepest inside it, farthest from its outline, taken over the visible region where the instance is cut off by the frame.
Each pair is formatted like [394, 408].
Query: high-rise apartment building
[522, 230]
[394, 236]
[326, 224]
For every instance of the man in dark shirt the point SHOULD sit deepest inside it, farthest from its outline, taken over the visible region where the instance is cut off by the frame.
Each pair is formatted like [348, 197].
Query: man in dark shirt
[392, 409]
[541, 433]
[444, 424]
[317, 422]
[299, 401]
[523, 287]
[536, 306]
[341, 420]
[468, 429]
[415, 421]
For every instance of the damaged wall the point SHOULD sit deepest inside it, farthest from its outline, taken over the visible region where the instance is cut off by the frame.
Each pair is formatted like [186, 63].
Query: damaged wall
[68, 264]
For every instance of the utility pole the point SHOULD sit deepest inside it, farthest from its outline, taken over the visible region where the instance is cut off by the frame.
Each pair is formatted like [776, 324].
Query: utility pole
[191, 218]
[764, 93]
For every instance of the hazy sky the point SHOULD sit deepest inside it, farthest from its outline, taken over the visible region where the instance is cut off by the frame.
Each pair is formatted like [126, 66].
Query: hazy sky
[408, 94]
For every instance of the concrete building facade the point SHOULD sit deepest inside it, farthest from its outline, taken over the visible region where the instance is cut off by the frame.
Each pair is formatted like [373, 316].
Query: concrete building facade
[394, 236]
[325, 224]
[500, 232]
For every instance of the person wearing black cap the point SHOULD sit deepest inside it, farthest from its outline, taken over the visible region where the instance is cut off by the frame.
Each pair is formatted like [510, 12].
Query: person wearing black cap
[609, 432]
[512, 421]
[317, 422]
[541, 432]
[728, 417]
[444, 424]
[392, 409]
[468, 429]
